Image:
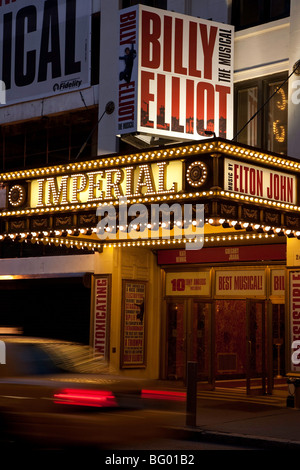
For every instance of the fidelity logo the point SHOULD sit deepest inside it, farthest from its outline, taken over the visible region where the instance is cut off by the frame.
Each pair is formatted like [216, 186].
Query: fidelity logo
[67, 84]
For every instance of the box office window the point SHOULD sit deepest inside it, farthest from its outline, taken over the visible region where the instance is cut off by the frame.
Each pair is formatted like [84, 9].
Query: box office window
[261, 119]
[248, 13]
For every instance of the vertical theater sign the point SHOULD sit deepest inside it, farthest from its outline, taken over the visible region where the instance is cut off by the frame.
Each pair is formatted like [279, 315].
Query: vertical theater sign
[175, 75]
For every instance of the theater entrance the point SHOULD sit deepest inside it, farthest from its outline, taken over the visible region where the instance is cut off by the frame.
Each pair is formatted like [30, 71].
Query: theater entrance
[227, 339]
[188, 338]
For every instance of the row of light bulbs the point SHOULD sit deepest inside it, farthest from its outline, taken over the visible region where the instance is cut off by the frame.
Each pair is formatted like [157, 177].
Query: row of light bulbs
[251, 231]
[152, 199]
[91, 245]
[145, 200]
[107, 162]
[259, 157]
[258, 200]
[259, 228]
[156, 154]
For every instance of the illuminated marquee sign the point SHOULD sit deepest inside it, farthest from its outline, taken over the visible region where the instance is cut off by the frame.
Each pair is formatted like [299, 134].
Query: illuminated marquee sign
[175, 75]
[266, 183]
[69, 185]
[104, 185]
[177, 188]
[45, 47]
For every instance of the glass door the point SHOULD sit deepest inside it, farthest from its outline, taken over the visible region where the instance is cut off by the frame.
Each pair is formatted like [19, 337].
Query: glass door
[176, 340]
[188, 338]
[278, 335]
[256, 347]
[200, 339]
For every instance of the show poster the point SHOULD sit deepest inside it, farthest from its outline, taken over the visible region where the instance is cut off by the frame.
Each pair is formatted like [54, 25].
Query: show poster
[45, 48]
[175, 75]
[133, 324]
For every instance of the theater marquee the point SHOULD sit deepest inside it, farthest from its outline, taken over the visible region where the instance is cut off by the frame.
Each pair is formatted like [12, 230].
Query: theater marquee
[245, 194]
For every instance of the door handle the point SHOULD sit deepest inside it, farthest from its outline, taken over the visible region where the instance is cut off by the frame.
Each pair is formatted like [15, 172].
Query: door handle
[250, 347]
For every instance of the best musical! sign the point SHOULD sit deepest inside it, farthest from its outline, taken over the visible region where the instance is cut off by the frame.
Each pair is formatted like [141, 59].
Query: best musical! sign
[176, 75]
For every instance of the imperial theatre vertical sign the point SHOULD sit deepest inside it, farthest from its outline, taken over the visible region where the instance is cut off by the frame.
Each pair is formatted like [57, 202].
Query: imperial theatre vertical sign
[175, 75]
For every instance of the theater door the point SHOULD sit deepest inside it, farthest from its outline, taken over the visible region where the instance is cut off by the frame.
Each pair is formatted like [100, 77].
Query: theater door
[229, 340]
[256, 338]
[188, 338]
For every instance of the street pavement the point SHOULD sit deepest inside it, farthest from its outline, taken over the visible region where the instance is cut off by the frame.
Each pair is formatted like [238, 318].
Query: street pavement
[229, 415]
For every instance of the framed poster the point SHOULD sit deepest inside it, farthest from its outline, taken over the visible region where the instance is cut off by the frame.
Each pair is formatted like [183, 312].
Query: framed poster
[101, 295]
[133, 324]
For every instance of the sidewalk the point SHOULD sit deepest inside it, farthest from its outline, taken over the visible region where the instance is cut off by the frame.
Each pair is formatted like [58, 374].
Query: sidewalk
[231, 417]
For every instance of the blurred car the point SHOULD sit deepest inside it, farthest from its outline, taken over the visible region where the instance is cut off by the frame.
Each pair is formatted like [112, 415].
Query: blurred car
[59, 394]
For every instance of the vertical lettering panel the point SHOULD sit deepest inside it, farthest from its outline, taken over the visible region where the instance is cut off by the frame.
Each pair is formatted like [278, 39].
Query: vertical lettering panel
[101, 298]
[185, 75]
[128, 70]
[294, 308]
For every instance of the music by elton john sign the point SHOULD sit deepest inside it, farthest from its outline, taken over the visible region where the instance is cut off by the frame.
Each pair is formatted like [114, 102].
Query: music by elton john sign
[175, 75]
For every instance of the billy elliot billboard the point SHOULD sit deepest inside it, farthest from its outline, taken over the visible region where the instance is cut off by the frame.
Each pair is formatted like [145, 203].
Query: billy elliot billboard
[175, 75]
[45, 47]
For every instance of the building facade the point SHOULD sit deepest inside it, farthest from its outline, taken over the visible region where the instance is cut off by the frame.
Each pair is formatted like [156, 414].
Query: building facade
[150, 303]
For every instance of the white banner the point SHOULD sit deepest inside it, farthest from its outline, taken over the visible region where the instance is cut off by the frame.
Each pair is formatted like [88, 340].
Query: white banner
[45, 48]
